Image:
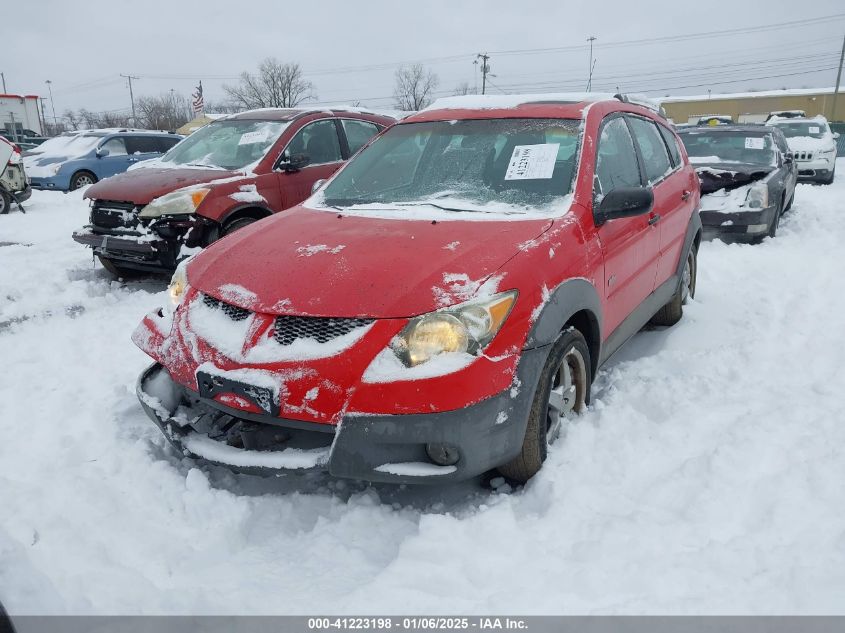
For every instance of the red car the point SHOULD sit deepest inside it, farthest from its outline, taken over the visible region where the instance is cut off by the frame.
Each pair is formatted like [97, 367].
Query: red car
[441, 306]
[219, 179]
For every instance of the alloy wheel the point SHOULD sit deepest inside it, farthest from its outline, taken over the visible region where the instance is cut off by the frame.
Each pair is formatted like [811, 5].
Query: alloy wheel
[568, 394]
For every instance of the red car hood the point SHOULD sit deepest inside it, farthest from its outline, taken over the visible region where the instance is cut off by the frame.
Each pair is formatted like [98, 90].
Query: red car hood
[140, 186]
[315, 263]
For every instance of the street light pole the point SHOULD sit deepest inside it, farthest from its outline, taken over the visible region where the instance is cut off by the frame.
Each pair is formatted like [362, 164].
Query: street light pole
[52, 104]
[590, 39]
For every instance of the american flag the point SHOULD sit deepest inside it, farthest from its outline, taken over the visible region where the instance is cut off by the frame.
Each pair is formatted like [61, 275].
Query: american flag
[198, 103]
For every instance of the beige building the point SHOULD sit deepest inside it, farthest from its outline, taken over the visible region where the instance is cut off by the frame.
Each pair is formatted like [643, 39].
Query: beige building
[202, 119]
[751, 107]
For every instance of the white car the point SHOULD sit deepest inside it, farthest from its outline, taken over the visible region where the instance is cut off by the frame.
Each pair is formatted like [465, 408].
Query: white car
[813, 146]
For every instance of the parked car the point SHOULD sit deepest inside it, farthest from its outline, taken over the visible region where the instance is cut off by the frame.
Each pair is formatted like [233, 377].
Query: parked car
[224, 176]
[747, 177]
[715, 119]
[786, 114]
[813, 145]
[441, 306]
[88, 157]
[14, 185]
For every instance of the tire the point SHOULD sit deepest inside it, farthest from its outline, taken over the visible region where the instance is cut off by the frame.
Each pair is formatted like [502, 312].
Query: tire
[789, 204]
[117, 270]
[238, 224]
[773, 227]
[5, 202]
[829, 181]
[82, 178]
[567, 371]
[672, 312]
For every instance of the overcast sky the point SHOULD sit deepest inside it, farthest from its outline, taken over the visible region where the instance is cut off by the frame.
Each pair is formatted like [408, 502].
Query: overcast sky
[350, 50]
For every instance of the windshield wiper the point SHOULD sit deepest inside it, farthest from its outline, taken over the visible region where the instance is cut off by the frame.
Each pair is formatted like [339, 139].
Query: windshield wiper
[205, 165]
[454, 209]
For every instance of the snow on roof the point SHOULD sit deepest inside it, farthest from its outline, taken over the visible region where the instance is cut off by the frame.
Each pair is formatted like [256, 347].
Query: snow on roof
[739, 95]
[495, 102]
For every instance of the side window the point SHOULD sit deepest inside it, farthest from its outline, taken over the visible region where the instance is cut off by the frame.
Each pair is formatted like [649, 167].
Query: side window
[164, 143]
[358, 133]
[616, 160]
[672, 144]
[141, 144]
[115, 145]
[652, 148]
[319, 141]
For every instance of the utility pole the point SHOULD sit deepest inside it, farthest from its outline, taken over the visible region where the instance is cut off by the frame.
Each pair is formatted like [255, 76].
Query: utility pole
[3, 75]
[838, 77]
[591, 39]
[485, 68]
[52, 104]
[132, 97]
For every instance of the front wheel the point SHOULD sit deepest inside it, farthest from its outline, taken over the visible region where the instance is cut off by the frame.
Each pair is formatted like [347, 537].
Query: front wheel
[672, 312]
[117, 270]
[563, 391]
[5, 202]
[81, 179]
[238, 224]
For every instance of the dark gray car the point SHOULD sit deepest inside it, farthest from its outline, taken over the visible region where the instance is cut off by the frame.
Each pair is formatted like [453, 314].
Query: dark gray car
[747, 178]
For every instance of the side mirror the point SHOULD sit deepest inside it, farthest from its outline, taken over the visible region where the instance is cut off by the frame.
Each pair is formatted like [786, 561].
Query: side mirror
[788, 158]
[296, 162]
[624, 202]
[836, 135]
[102, 152]
[316, 186]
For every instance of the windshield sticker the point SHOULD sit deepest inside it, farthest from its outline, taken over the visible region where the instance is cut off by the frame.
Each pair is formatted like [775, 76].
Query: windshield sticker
[250, 138]
[532, 162]
[754, 143]
[814, 129]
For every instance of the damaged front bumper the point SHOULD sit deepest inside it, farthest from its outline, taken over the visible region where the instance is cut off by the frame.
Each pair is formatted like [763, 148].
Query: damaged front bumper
[435, 447]
[738, 225]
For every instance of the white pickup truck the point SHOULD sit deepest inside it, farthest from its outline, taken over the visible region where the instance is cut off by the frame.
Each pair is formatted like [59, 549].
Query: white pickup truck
[14, 185]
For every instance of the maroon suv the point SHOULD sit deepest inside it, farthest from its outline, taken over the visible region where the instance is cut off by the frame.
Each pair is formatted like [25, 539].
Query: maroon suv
[224, 176]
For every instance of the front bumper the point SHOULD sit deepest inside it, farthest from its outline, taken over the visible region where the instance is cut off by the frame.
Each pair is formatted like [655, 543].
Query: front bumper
[54, 183]
[737, 226]
[372, 447]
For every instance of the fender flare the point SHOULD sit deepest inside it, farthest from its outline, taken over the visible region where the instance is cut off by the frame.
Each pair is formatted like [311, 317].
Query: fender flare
[241, 207]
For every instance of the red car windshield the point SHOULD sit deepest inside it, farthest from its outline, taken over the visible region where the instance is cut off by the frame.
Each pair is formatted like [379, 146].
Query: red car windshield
[469, 165]
[229, 144]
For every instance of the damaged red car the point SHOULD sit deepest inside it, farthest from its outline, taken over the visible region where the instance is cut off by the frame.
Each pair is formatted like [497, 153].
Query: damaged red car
[441, 306]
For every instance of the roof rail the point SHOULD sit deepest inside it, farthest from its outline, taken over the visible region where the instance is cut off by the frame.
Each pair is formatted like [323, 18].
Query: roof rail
[641, 100]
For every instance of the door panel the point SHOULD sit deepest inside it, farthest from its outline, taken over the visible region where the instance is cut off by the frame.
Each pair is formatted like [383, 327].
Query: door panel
[628, 243]
[319, 140]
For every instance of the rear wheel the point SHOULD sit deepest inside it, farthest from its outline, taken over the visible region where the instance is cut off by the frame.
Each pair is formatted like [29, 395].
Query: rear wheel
[672, 312]
[81, 179]
[117, 270]
[563, 392]
[5, 202]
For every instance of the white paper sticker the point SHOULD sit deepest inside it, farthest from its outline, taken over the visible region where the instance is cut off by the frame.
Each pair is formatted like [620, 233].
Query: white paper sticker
[814, 129]
[249, 138]
[532, 162]
[753, 142]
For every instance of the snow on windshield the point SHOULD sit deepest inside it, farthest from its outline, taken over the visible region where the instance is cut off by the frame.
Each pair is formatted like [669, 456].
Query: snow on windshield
[501, 166]
[225, 144]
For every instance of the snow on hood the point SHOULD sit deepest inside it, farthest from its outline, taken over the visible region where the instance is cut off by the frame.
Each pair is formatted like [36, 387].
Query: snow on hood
[725, 201]
[141, 186]
[810, 144]
[728, 176]
[314, 263]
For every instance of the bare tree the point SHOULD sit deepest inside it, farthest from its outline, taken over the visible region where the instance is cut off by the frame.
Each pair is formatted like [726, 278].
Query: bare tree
[462, 89]
[414, 87]
[167, 111]
[276, 85]
[73, 120]
[223, 107]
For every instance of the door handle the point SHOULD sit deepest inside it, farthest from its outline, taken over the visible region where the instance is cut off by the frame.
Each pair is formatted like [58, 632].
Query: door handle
[654, 219]
[685, 195]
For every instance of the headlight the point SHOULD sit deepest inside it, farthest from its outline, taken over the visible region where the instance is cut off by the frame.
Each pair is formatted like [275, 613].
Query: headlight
[758, 196]
[55, 168]
[465, 328]
[181, 202]
[178, 284]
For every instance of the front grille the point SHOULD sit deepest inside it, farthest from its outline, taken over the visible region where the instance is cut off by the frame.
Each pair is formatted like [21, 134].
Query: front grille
[112, 215]
[803, 155]
[321, 329]
[233, 312]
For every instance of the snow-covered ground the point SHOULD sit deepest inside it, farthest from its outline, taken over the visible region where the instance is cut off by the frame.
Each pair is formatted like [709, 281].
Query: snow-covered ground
[707, 477]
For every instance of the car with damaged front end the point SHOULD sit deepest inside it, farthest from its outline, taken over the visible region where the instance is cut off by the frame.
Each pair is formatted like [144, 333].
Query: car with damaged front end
[748, 179]
[223, 177]
[440, 307]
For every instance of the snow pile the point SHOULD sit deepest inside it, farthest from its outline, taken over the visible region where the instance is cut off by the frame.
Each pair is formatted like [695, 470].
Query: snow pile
[726, 201]
[705, 478]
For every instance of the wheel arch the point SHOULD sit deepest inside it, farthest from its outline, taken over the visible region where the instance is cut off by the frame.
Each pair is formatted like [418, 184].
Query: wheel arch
[574, 303]
[83, 170]
[249, 210]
